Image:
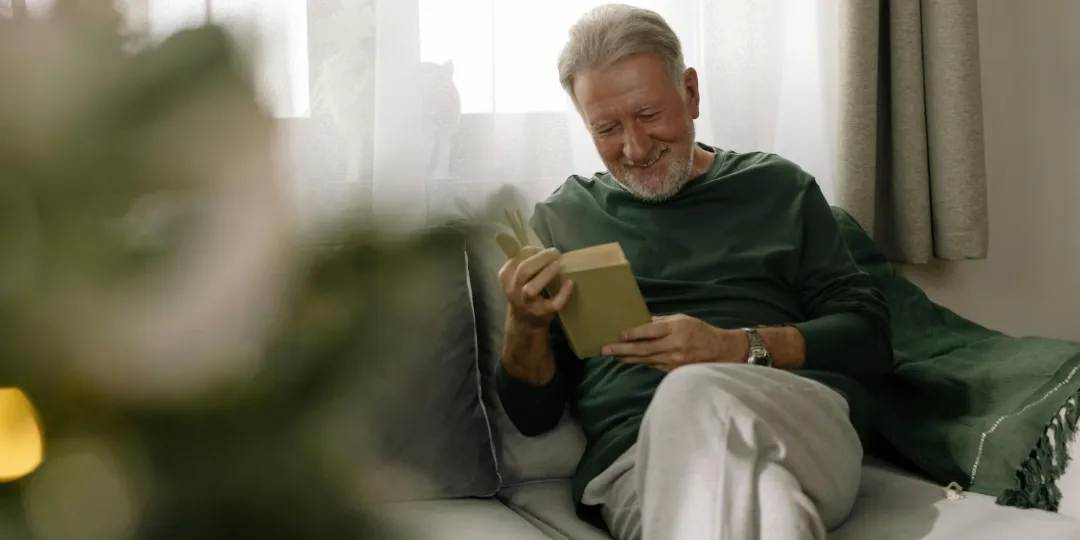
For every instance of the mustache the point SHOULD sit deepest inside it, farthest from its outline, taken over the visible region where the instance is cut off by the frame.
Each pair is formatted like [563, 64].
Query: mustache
[648, 159]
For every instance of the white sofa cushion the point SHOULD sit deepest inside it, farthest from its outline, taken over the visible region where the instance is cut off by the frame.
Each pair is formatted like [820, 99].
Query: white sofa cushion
[891, 504]
[548, 505]
[459, 519]
[912, 508]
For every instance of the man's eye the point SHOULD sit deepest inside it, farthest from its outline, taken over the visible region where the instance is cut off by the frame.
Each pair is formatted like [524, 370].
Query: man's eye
[648, 116]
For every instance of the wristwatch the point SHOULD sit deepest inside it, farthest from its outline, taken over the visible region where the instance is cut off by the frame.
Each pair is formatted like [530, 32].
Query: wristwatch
[759, 354]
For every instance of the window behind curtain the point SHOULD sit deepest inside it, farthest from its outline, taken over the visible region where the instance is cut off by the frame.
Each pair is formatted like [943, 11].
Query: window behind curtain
[273, 32]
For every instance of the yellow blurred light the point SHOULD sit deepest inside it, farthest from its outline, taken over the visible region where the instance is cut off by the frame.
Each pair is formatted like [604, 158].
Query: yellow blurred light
[21, 445]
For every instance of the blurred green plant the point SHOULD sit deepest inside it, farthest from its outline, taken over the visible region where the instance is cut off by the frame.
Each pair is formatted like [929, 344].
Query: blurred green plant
[184, 348]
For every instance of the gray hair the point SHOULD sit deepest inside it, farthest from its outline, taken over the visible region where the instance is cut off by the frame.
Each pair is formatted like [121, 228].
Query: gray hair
[611, 32]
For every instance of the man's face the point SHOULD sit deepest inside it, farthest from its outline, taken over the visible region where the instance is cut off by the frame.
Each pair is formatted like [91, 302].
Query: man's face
[642, 123]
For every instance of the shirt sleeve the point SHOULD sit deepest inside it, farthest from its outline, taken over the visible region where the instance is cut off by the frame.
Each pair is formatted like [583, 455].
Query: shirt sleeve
[535, 410]
[847, 328]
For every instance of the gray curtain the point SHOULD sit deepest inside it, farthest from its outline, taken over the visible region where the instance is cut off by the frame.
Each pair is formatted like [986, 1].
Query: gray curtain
[911, 160]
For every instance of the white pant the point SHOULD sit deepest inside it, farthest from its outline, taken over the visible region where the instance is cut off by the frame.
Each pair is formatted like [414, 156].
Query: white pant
[734, 452]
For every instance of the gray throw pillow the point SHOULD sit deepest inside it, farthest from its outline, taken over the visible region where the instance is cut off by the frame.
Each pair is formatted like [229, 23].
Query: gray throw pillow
[421, 419]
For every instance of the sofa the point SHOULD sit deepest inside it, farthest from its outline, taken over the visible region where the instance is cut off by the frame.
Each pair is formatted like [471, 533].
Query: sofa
[477, 478]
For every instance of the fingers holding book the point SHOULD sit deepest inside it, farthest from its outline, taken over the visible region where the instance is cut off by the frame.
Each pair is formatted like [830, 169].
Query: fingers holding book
[525, 277]
[592, 289]
[536, 270]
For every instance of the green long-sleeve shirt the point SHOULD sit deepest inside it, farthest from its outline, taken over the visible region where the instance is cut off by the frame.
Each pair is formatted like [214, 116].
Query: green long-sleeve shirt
[752, 241]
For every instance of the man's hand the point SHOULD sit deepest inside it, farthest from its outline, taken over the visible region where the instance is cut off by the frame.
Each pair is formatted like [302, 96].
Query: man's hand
[523, 279]
[671, 341]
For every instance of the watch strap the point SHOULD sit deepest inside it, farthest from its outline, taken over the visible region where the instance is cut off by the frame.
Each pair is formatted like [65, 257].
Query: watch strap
[759, 353]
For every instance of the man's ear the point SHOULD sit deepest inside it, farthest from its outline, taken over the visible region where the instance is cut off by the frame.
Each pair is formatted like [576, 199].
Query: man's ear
[693, 94]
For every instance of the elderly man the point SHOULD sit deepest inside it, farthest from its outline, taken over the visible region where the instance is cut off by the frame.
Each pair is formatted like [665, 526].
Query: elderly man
[737, 412]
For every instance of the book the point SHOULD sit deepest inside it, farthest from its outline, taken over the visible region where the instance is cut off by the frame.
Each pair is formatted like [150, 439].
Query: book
[606, 298]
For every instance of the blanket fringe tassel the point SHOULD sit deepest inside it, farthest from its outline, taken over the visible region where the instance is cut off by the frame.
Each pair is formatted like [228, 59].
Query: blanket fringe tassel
[1036, 481]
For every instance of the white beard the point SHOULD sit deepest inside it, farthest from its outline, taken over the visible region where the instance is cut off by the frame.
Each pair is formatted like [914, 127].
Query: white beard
[677, 175]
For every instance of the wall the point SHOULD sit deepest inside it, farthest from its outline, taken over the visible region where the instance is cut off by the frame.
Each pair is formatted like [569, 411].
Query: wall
[1030, 284]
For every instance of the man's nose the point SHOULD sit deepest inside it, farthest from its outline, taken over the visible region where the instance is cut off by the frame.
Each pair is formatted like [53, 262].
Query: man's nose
[637, 144]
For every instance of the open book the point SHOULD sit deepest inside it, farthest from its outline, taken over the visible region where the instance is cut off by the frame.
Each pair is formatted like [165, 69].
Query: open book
[606, 298]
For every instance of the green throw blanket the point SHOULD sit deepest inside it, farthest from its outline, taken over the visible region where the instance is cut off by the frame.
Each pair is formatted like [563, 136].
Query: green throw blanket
[968, 404]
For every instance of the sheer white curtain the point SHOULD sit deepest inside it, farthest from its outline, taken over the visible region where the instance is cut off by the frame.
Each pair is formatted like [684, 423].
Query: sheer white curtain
[421, 109]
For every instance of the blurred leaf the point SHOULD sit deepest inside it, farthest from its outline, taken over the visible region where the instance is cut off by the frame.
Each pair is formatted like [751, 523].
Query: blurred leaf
[185, 356]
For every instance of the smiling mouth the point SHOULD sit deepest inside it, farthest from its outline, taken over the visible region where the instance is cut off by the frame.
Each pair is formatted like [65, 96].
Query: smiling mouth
[652, 161]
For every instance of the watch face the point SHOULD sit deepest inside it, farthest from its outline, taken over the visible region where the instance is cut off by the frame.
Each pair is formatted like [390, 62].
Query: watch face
[760, 358]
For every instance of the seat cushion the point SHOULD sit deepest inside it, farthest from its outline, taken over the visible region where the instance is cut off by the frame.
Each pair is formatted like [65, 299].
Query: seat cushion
[912, 508]
[548, 504]
[472, 519]
[908, 508]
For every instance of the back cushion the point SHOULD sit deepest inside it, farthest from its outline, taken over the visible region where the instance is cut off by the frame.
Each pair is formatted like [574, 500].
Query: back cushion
[521, 459]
